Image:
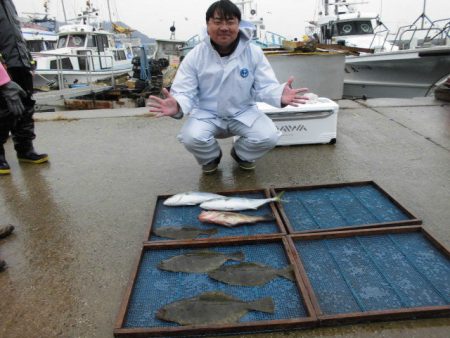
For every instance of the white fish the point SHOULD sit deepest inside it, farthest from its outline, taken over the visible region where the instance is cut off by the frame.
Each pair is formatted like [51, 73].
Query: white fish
[237, 203]
[190, 198]
[231, 219]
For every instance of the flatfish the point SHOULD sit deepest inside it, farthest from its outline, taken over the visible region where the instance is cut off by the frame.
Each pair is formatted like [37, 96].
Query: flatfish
[212, 308]
[238, 203]
[190, 198]
[231, 219]
[182, 232]
[199, 261]
[249, 274]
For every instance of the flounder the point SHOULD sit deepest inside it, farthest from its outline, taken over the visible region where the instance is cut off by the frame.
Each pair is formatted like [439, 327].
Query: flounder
[182, 232]
[211, 308]
[199, 261]
[249, 274]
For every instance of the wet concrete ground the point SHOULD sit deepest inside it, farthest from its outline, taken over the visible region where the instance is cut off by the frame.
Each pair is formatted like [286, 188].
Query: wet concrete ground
[80, 219]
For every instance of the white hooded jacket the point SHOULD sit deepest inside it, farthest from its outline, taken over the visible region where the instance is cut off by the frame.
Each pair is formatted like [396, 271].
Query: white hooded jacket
[208, 86]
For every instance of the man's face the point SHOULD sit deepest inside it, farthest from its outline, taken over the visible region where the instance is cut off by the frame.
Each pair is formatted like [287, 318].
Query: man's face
[223, 31]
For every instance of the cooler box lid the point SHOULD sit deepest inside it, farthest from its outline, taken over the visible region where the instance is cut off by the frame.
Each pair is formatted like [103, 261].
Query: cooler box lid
[321, 104]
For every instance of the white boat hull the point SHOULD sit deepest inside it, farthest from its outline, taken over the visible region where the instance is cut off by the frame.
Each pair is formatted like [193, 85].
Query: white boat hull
[70, 77]
[403, 74]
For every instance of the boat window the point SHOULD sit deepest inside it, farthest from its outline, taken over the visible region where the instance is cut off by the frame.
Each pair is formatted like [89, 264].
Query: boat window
[76, 40]
[35, 45]
[354, 27]
[102, 42]
[49, 45]
[119, 55]
[91, 41]
[364, 27]
[62, 41]
[345, 28]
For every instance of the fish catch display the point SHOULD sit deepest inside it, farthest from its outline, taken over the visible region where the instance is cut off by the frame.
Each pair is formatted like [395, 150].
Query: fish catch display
[238, 203]
[182, 232]
[212, 308]
[198, 262]
[190, 198]
[231, 219]
[249, 274]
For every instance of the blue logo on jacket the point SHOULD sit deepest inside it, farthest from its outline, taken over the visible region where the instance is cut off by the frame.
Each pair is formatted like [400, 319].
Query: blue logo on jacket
[244, 72]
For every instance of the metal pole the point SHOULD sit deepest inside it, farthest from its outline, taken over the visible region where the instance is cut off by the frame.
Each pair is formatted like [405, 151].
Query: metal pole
[423, 13]
[64, 11]
[109, 11]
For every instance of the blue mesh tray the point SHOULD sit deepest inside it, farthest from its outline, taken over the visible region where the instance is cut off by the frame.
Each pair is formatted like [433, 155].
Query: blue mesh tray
[375, 273]
[187, 216]
[151, 289]
[340, 206]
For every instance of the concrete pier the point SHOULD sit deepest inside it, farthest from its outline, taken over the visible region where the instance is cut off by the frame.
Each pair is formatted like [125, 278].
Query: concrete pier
[80, 219]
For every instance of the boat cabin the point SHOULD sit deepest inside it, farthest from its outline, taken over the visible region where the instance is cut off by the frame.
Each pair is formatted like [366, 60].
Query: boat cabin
[338, 28]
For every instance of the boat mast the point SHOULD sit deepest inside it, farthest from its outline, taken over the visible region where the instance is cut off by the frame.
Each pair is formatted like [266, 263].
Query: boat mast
[64, 11]
[109, 11]
[423, 13]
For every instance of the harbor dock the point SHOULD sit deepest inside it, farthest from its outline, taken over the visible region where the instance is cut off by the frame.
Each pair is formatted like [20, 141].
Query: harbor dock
[81, 218]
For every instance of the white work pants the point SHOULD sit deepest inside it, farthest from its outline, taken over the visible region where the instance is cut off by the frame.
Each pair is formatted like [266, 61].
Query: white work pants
[199, 138]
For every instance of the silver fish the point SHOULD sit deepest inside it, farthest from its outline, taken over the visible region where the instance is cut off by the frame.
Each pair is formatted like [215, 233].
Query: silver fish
[231, 219]
[198, 262]
[182, 232]
[190, 198]
[212, 308]
[249, 274]
[237, 203]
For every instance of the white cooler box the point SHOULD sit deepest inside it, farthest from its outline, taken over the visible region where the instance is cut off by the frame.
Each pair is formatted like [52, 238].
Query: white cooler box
[306, 124]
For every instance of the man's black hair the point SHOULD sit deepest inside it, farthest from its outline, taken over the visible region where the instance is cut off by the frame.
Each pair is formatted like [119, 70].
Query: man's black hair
[225, 8]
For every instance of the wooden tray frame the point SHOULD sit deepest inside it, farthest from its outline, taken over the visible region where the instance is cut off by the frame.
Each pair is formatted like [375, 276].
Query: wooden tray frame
[266, 192]
[260, 326]
[384, 315]
[290, 229]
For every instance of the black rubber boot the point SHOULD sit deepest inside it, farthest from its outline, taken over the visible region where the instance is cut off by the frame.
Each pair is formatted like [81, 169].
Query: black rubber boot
[32, 157]
[4, 166]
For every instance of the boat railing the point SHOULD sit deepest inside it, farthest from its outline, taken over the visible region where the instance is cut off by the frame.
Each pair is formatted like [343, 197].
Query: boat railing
[383, 33]
[444, 31]
[88, 65]
[433, 33]
[193, 41]
[273, 39]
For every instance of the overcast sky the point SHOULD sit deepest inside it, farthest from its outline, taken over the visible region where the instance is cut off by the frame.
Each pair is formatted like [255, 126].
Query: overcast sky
[285, 17]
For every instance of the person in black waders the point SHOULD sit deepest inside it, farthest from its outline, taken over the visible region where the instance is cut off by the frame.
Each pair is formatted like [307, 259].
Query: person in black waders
[16, 116]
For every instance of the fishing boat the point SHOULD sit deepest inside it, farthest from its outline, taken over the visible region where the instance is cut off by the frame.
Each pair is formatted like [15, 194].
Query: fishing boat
[38, 30]
[410, 64]
[38, 39]
[85, 53]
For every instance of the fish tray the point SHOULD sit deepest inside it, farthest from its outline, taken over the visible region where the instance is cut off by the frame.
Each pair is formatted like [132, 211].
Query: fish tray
[187, 216]
[150, 289]
[374, 274]
[340, 207]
